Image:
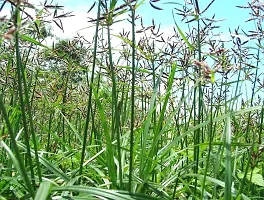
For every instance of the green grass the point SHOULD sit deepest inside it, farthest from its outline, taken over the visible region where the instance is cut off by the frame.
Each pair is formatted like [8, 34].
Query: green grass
[149, 119]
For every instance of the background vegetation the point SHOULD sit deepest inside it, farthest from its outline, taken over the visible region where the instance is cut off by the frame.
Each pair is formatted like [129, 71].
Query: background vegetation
[156, 118]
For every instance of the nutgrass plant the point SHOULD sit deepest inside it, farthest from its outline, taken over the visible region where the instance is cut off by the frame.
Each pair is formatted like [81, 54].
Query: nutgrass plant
[154, 118]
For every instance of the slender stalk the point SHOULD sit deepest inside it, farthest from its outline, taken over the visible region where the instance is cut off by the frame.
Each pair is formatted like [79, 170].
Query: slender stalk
[132, 101]
[115, 110]
[210, 136]
[90, 92]
[199, 87]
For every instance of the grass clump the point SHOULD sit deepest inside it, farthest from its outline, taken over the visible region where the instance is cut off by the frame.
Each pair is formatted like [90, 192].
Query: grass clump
[152, 118]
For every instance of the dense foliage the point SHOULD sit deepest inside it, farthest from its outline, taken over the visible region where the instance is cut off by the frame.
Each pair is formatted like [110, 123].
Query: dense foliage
[152, 118]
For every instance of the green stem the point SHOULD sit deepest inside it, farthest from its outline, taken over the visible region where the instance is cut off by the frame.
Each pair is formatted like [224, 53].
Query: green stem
[90, 92]
[132, 102]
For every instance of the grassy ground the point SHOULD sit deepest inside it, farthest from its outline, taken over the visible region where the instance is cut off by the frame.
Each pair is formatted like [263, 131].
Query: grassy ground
[157, 118]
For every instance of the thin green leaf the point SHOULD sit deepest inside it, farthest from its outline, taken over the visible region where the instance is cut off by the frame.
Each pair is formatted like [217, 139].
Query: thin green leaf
[228, 166]
[104, 194]
[43, 191]
[31, 40]
[191, 47]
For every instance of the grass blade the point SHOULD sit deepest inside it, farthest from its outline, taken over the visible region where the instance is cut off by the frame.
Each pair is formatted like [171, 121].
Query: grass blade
[43, 191]
[228, 166]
